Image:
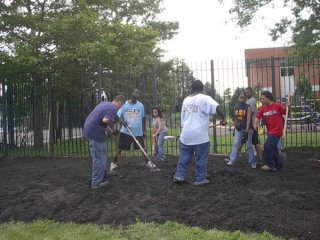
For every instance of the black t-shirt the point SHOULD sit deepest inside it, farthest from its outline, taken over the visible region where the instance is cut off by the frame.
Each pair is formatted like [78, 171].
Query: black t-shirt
[241, 112]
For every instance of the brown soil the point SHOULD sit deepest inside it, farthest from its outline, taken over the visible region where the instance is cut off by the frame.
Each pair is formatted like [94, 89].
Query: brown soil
[284, 203]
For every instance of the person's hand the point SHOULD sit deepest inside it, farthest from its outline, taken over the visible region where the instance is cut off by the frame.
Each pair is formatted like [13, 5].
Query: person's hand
[116, 132]
[244, 137]
[123, 122]
[223, 122]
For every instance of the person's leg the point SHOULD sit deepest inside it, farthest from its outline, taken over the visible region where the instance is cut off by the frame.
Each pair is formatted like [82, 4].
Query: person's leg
[202, 155]
[186, 154]
[124, 143]
[98, 151]
[270, 151]
[276, 156]
[160, 141]
[258, 151]
[256, 143]
[235, 147]
[251, 157]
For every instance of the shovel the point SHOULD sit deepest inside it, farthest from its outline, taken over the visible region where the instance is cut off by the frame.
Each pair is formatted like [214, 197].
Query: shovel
[282, 152]
[150, 164]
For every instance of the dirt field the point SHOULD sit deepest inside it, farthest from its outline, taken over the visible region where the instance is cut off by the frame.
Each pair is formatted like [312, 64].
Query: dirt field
[284, 203]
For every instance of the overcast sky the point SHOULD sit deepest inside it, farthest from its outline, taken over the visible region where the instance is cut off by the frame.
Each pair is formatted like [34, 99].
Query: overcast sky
[206, 32]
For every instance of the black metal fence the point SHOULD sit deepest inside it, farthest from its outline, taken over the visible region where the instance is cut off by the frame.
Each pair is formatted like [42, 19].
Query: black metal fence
[45, 117]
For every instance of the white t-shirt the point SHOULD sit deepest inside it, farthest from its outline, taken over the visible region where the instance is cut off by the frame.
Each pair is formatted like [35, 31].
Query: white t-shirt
[195, 119]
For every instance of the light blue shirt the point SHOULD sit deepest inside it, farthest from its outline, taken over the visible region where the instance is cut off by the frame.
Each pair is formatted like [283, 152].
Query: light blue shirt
[195, 119]
[133, 115]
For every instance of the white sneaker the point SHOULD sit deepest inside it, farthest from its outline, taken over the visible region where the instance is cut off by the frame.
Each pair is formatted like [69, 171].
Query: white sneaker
[113, 166]
[99, 185]
[150, 165]
[229, 163]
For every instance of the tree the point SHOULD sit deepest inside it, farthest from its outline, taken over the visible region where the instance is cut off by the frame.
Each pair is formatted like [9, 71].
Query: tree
[304, 88]
[71, 37]
[304, 23]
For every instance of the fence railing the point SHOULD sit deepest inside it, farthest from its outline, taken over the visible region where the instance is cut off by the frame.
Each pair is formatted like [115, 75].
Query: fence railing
[45, 118]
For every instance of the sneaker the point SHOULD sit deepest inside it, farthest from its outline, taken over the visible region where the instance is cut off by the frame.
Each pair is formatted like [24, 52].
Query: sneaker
[229, 163]
[206, 181]
[150, 164]
[178, 180]
[253, 166]
[99, 185]
[266, 168]
[113, 166]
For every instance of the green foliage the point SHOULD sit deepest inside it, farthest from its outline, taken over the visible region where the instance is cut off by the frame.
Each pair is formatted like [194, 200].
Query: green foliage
[304, 22]
[72, 36]
[304, 88]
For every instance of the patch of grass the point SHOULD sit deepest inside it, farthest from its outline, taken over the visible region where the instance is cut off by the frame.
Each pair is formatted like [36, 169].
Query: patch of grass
[143, 231]
[79, 146]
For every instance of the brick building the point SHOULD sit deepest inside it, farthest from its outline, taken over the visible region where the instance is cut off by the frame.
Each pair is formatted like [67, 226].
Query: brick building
[272, 69]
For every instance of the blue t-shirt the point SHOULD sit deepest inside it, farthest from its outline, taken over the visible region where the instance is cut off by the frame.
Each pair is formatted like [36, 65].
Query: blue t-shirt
[94, 128]
[133, 115]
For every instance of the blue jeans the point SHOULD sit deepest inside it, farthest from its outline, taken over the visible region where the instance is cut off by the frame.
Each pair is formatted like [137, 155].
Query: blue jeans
[271, 152]
[201, 152]
[160, 141]
[236, 145]
[98, 152]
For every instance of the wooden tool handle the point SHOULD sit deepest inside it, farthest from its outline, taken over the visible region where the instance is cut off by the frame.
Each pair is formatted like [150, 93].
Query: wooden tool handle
[286, 118]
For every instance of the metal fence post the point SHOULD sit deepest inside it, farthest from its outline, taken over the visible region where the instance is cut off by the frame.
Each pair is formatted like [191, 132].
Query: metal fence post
[100, 84]
[273, 76]
[214, 129]
[154, 84]
[10, 114]
[4, 119]
[50, 116]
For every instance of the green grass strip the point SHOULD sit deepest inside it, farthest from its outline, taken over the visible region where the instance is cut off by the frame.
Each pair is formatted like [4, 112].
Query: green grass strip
[51, 230]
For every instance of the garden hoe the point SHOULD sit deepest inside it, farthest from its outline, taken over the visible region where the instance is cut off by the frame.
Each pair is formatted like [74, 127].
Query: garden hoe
[150, 164]
[282, 152]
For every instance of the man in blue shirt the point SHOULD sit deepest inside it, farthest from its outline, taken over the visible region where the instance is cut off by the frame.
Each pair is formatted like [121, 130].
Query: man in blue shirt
[94, 130]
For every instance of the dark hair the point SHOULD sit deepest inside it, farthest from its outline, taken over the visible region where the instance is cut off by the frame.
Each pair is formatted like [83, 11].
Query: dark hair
[249, 89]
[133, 88]
[243, 93]
[159, 111]
[197, 86]
[267, 94]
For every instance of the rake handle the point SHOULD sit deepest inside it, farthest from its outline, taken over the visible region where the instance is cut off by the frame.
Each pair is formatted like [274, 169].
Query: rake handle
[286, 119]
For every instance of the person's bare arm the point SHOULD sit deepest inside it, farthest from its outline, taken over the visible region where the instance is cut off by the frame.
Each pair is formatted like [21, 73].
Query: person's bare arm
[220, 112]
[160, 124]
[249, 119]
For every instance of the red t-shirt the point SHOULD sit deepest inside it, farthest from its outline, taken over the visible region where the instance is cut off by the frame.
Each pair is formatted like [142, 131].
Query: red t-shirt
[272, 115]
